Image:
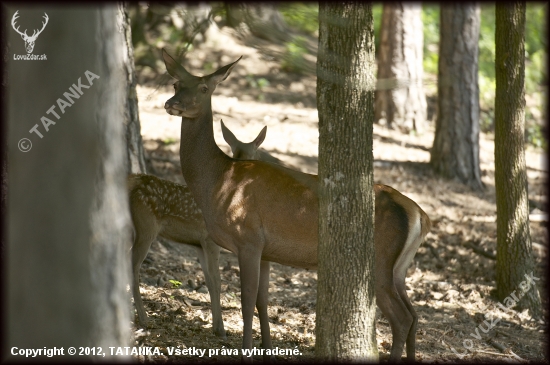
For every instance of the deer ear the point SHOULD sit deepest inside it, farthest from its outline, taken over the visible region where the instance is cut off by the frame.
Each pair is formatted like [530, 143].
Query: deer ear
[228, 135]
[220, 75]
[259, 140]
[175, 70]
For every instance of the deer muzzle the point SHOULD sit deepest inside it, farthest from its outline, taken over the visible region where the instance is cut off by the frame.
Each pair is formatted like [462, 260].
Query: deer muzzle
[173, 107]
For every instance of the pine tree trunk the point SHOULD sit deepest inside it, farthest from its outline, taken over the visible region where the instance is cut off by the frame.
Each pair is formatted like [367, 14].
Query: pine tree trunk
[109, 216]
[346, 302]
[68, 217]
[400, 98]
[455, 152]
[514, 250]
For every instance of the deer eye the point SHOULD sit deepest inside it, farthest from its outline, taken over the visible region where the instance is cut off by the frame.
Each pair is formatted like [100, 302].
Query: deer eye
[204, 89]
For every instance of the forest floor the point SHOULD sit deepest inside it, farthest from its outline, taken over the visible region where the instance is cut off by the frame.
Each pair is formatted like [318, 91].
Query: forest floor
[451, 285]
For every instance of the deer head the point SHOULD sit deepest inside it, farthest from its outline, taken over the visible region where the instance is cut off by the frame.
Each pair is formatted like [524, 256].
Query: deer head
[29, 41]
[192, 93]
[241, 150]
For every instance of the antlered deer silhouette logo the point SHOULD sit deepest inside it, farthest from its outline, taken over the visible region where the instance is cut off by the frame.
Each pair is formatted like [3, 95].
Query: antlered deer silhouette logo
[29, 41]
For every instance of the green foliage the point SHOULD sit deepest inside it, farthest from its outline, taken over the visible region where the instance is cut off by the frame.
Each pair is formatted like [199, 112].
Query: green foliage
[169, 141]
[487, 90]
[219, 10]
[535, 27]
[535, 114]
[487, 43]
[302, 16]
[535, 47]
[377, 15]
[486, 63]
[430, 19]
[535, 68]
[175, 283]
[487, 120]
[262, 82]
[535, 71]
[208, 67]
[259, 84]
[293, 58]
[534, 136]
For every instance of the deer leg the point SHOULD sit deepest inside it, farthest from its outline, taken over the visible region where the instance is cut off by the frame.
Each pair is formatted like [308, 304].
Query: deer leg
[261, 304]
[141, 246]
[249, 264]
[392, 306]
[410, 247]
[211, 269]
[411, 336]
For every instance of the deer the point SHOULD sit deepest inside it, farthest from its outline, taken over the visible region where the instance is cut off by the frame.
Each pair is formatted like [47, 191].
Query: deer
[167, 209]
[29, 41]
[264, 212]
[164, 208]
[250, 150]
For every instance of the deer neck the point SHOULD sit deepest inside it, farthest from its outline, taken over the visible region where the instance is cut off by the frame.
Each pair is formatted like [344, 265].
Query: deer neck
[202, 161]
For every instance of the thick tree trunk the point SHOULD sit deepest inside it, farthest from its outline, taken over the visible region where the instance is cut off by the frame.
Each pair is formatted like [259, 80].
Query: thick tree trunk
[67, 216]
[400, 98]
[455, 152]
[514, 251]
[345, 299]
[134, 145]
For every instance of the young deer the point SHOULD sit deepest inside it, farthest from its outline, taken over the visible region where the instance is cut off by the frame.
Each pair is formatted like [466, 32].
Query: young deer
[164, 208]
[265, 212]
[248, 151]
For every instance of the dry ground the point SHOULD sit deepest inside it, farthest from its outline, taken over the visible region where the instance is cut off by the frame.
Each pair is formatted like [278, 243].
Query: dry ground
[451, 286]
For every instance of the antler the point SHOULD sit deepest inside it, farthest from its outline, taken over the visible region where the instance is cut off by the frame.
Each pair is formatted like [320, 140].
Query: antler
[24, 34]
[15, 16]
[34, 34]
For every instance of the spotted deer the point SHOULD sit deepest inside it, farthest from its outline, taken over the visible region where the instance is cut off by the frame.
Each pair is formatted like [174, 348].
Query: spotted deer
[266, 213]
[164, 208]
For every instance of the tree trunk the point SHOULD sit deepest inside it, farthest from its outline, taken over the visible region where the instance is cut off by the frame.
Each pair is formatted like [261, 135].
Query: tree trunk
[4, 150]
[400, 98]
[455, 152]
[134, 146]
[4, 197]
[345, 299]
[67, 216]
[514, 251]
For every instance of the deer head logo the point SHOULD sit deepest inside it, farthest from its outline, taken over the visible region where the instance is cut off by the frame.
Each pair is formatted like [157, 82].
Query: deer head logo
[29, 41]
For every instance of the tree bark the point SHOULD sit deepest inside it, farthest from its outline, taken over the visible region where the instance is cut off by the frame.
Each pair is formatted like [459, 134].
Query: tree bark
[400, 98]
[67, 215]
[134, 145]
[345, 92]
[514, 248]
[455, 152]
